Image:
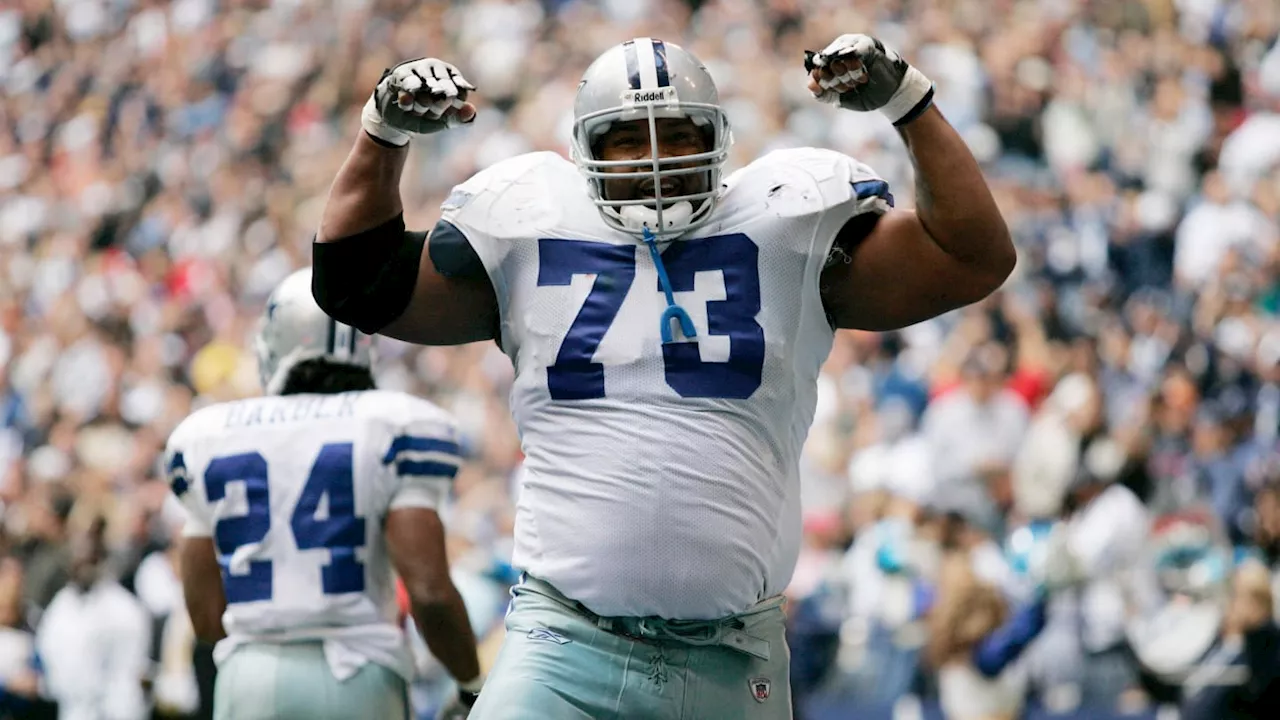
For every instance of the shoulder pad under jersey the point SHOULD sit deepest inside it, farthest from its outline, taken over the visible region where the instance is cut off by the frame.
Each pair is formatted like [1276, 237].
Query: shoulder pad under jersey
[188, 488]
[397, 408]
[422, 451]
[805, 181]
[202, 423]
[516, 197]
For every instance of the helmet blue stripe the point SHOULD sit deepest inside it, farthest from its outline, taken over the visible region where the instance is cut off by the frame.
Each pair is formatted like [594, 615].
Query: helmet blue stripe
[660, 62]
[633, 64]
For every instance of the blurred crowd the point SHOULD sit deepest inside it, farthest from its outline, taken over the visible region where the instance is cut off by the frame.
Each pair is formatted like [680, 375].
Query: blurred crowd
[1061, 479]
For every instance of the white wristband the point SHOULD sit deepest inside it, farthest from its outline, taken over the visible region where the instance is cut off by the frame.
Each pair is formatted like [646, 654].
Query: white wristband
[915, 88]
[473, 685]
[372, 122]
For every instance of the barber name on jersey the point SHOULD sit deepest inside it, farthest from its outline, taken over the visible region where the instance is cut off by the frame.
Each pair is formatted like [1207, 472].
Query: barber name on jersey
[303, 409]
[583, 301]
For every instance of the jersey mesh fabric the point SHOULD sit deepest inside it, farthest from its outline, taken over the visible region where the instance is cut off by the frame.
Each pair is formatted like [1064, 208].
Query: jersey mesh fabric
[673, 490]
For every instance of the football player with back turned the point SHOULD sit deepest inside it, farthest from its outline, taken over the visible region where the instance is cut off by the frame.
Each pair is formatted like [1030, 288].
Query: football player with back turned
[667, 326]
[299, 505]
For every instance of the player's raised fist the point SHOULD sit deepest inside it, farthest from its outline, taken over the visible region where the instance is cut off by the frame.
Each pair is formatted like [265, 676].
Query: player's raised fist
[857, 72]
[418, 97]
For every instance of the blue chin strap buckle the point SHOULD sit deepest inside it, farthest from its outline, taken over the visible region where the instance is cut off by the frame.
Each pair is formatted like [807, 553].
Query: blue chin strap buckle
[673, 311]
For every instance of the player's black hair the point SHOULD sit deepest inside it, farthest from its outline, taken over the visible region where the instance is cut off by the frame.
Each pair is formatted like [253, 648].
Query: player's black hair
[324, 377]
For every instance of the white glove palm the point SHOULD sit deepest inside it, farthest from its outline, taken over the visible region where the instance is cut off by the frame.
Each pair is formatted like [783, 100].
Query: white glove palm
[857, 72]
[418, 97]
[458, 707]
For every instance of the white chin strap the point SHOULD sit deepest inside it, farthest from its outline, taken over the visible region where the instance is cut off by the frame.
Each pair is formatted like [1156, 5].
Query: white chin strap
[639, 217]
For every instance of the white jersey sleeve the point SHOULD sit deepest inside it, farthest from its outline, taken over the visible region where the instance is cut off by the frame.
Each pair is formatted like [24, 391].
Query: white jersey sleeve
[824, 186]
[481, 208]
[422, 456]
[187, 487]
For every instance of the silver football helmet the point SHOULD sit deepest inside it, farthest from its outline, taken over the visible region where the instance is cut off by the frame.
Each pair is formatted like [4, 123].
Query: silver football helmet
[647, 79]
[294, 329]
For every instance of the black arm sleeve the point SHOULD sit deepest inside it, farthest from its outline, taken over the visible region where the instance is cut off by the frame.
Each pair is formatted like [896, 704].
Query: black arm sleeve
[452, 253]
[366, 280]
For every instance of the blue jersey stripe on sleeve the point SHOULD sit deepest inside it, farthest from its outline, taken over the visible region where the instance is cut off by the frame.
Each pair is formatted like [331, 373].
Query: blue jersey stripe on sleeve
[411, 443]
[864, 189]
[426, 468]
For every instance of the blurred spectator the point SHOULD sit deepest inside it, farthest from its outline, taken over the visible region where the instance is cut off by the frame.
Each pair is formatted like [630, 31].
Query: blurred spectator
[157, 585]
[1266, 535]
[974, 433]
[20, 667]
[975, 644]
[1107, 532]
[1219, 473]
[94, 640]
[1216, 225]
[1187, 581]
[1047, 462]
[44, 552]
[1240, 678]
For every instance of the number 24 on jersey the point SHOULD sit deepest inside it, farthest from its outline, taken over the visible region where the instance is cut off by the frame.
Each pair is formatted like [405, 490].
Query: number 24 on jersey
[342, 532]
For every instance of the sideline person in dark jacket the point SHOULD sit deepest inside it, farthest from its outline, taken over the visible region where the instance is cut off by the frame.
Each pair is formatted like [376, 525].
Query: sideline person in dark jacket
[1240, 678]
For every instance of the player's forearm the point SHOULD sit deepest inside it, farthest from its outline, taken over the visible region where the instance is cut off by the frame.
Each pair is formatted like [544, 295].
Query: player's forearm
[442, 619]
[202, 588]
[366, 192]
[953, 201]
[206, 617]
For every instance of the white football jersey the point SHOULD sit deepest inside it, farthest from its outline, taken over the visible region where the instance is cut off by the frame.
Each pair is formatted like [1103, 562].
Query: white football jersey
[662, 480]
[293, 490]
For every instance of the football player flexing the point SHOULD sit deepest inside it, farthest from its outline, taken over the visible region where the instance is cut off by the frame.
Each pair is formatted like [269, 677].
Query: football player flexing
[299, 504]
[667, 326]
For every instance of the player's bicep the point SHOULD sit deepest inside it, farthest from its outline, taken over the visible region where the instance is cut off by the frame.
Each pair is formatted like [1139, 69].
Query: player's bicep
[453, 300]
[416, 545]
[892, 274]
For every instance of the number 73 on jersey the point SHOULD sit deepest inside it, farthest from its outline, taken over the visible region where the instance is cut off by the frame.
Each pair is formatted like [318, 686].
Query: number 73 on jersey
[576, 376]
